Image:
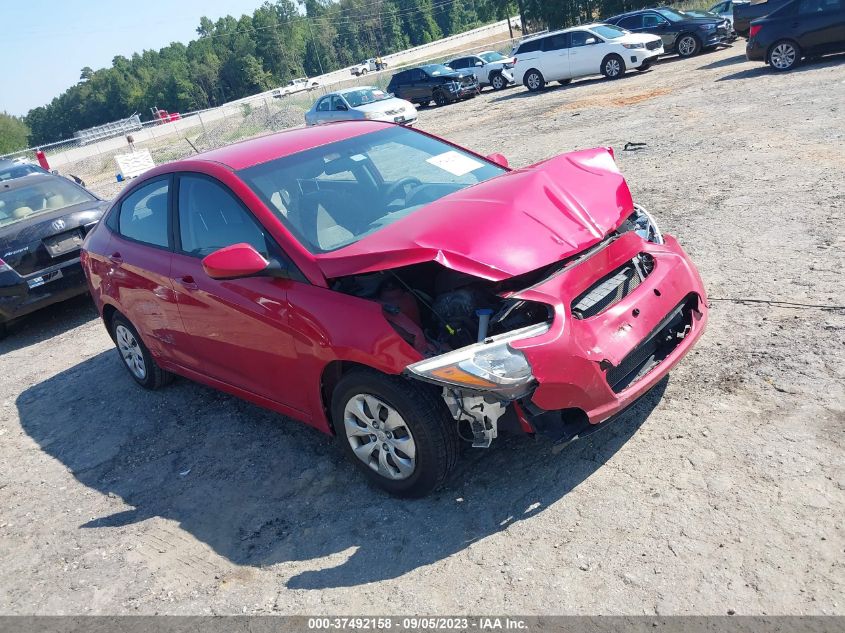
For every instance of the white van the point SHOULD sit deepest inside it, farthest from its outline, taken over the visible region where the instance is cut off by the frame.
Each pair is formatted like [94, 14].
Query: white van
[581, 51]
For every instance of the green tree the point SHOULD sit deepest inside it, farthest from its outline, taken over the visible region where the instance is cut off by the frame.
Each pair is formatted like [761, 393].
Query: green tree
[14, 133]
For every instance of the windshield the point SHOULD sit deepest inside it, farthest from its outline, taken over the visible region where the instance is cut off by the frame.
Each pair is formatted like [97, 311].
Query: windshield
[671, 14]
[608, 31]
[437, 69]
[336, 194]
[365, 95]
[17, 170]
[23, 203]
[491, 57]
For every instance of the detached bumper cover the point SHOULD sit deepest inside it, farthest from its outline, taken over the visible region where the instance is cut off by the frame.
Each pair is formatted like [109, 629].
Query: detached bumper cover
[603, 363]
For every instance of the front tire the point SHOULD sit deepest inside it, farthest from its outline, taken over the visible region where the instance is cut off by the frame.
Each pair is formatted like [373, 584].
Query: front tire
[498, 82]
[613, 67]
[440, 98]
[398, 433]
[135, 356]
[644, 67]
[534, 80]
[784, 55]
[688, 45]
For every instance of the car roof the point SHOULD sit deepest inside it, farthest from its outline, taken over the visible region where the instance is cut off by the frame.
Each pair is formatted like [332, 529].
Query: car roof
[266, 148]
[566, 30]
[344, 91]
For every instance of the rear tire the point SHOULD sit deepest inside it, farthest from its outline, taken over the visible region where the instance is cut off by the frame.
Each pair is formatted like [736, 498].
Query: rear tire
[534, 80]
[405, 441]
[613, 67]
[135, 356]
[363, 71]
[3, 331]
[784, 55]
[565, 82]
[688, 45]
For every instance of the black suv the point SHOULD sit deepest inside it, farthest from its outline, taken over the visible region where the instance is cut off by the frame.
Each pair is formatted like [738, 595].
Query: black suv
[799, 28]
[681, 33]
[433, 82]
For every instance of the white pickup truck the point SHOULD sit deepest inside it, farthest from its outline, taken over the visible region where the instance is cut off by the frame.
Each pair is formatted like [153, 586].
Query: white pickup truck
[367, 66]
[296, 85]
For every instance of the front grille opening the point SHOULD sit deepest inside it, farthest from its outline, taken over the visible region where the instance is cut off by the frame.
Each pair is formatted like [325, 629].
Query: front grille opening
[655, 348]
[612, 288]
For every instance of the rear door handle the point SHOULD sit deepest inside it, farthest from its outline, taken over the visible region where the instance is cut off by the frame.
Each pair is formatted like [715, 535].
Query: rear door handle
[188, 282]
[115, 258]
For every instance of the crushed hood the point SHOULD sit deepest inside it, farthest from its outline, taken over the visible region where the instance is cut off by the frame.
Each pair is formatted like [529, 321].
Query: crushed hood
[509, 225]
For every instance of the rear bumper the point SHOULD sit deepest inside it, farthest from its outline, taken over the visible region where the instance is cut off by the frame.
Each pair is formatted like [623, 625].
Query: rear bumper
[598, 366]
[18, 299]
[755, 51]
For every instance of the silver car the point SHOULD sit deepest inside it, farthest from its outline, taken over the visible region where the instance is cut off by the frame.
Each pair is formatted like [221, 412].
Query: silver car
[361, 103]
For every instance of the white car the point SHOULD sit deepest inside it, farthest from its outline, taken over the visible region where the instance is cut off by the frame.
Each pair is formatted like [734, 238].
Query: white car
[490, 68]
[581, 51]
[361, 103]
[370, 65]
[296, 85]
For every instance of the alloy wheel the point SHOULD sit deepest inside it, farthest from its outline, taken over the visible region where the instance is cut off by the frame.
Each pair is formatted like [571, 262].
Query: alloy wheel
[612, 67]
[783, 56]
[379, 436]
[686, 46]
[130, 351]
[533, 81]
[498, 82]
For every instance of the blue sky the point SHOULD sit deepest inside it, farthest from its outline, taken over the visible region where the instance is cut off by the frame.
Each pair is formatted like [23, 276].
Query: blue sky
[46, 43]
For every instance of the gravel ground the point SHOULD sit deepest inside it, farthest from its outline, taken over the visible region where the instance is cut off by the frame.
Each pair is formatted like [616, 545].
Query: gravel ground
[722, 491]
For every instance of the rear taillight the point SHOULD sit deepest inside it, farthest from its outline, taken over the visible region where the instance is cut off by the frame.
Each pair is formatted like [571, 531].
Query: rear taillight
[514, 61]
[4, 266]
[755, 28]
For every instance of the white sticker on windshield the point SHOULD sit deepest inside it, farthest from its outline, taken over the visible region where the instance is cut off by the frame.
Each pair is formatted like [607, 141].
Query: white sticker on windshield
[455, 163]
[358, 157]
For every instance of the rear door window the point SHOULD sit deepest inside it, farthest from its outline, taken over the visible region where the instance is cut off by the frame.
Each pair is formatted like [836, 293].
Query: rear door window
[143, 214]
[631, 22]
[556, 42]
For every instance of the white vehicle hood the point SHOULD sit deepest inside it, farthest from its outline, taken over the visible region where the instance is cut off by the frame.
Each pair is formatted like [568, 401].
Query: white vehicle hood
[636, 38]
[387, 104]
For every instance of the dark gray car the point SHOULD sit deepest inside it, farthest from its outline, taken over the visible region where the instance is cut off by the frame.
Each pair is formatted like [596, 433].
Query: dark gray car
[681, 32]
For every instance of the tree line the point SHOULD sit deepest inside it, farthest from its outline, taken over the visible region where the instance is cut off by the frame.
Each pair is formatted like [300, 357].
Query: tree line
[235, 57]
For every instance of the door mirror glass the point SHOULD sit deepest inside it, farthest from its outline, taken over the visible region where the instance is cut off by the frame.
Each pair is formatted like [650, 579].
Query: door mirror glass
[499, 159]
[590, 40]
[479, 63]
[235, 262]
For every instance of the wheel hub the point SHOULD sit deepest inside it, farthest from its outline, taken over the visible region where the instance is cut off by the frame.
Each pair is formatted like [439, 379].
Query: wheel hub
[379, 436]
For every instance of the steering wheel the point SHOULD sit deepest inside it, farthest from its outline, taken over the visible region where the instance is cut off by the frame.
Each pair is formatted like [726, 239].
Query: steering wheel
[391, 194]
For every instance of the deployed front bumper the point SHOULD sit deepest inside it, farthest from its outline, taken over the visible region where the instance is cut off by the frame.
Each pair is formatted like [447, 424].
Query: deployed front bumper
[598, 365]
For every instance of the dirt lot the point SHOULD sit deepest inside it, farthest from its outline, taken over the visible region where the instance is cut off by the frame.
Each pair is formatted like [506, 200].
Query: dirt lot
[723, 490]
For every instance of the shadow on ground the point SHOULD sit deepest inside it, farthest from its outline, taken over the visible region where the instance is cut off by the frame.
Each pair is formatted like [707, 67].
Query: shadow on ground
[764, 69]
[260, 489]
[48, 323]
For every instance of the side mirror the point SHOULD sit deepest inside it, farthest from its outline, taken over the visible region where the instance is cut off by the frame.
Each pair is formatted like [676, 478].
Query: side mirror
[238, 261]
[479, 63]
[499, 159]
[590, 40]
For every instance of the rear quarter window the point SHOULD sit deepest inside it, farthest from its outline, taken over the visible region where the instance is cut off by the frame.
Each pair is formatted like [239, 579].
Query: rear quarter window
[530, 47]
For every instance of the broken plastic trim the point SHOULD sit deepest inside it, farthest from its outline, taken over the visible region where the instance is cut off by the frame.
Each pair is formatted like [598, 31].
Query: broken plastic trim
[491, 366]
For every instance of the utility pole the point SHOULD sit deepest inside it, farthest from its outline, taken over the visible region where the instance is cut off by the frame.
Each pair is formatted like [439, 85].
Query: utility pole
[519, 3]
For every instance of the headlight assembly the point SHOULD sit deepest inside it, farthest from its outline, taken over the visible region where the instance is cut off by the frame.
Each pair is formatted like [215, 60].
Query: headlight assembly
[645, 226]
[492, 365]
[639, 45]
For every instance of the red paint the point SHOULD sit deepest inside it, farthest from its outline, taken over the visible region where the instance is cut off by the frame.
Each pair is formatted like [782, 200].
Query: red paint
[271, 340]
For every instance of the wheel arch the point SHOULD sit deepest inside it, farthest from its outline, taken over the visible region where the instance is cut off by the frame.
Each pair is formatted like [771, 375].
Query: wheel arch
[331, 376]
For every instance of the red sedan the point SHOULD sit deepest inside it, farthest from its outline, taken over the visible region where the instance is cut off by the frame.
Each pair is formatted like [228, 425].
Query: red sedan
[396, 290]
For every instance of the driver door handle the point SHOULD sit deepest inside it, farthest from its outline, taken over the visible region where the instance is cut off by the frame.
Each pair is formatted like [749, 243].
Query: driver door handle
[188, 282]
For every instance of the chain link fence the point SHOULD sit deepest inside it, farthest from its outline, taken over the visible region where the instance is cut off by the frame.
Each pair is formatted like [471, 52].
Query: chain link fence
[204, 130]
